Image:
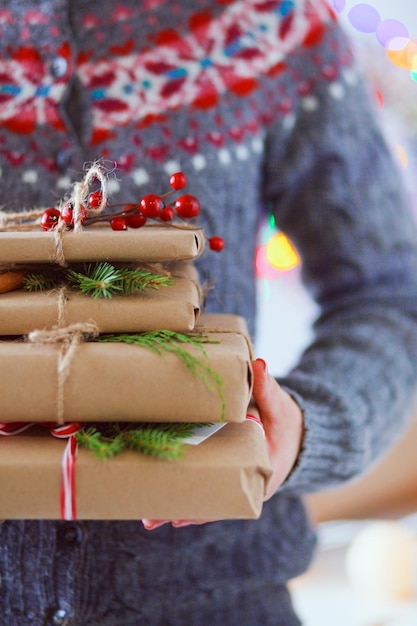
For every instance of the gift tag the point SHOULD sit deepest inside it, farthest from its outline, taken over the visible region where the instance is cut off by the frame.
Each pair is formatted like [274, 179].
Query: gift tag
[201, 433]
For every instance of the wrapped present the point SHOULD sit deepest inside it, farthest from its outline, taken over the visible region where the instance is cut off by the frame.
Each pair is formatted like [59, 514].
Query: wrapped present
[151, 244]
[223, 477]
[204, 376]
[175, 307]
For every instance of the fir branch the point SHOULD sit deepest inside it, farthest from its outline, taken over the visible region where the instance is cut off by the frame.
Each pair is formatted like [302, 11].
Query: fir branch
[104, 280]
[101, 445]
[158, 441]
[40, 281]
[140, 280]
[160, 341]
[101, 280]
[165, 440]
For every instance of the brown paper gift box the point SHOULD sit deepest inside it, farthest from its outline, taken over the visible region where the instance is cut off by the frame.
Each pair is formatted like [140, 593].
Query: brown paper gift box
[224, 477]
[175, 307]
[114, 381]
[151, 244]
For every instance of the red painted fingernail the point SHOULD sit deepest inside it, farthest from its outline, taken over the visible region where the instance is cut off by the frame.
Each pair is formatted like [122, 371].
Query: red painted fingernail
[152, 525]
[263, 363]
[257, 421]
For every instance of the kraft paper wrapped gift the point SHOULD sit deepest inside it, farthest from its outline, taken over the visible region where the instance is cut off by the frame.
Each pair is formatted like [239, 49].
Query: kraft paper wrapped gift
[150, 244]
[174, 307]
[225, 477]
[120, 381]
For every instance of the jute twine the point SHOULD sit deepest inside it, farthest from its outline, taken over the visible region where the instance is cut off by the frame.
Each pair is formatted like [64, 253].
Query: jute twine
[69, 338]
[61, 301]
[25, 220]
[13, 220]
[79, 200]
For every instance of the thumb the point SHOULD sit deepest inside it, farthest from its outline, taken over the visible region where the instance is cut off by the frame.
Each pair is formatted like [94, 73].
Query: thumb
[282, 420]
[264, 392]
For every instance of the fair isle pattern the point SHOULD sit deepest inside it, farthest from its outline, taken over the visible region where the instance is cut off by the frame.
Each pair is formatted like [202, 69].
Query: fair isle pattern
[29, 93]
[250, 39]
[227, 74]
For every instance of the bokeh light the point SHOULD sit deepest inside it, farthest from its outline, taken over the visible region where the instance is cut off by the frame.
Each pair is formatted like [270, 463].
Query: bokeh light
[402, 155]
[364, 18]
[388, 30]
[379, 97]
[392, 34]
[404, 57]
[263, 268]
[339, 5]
[281, 254]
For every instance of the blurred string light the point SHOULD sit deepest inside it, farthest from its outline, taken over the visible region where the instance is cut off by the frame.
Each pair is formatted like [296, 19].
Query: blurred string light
[391, 34]
[394, 37]
[275, 254]
[402, 155]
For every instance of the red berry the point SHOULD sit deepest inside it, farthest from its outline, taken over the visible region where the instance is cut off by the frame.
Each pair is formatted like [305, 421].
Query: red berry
[187, 206]
[67, 213]
[118, 223]
[95, 199]
[178, 181]
[216, 244]
[50, 218]
[135, 220]
[151, 205]
[131, 208]
[167, 214]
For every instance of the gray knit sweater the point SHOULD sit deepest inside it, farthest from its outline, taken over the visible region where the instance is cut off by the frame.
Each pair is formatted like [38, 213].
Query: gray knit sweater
[260, 104]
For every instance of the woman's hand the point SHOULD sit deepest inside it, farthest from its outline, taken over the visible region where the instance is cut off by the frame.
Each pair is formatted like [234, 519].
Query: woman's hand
[283, 423]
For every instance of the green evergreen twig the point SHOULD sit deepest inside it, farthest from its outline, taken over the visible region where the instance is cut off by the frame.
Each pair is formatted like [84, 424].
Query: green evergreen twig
[39, 281]
[160, 341]
[99, 280]
[165, 440]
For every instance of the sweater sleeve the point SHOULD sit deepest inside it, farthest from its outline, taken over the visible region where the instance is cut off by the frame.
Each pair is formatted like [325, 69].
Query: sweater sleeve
[337, 193]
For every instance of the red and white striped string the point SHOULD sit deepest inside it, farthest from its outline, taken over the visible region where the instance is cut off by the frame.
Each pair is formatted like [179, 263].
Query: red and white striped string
[61, 431]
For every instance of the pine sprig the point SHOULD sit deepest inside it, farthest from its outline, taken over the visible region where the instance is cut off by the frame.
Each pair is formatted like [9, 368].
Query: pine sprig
[140, 280]
[99, 280]
[163, 441]
[39, 281]
[160, 341]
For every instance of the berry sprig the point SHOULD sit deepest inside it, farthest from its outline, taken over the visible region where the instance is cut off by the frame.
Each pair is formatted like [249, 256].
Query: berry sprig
[135, 215]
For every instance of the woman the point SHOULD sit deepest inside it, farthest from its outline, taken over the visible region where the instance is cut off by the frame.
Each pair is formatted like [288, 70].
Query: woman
[259, 102]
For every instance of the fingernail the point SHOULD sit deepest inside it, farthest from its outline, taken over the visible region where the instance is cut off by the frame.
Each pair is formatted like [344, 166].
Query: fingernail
[152, 525]
[257, 421]
[263, 363]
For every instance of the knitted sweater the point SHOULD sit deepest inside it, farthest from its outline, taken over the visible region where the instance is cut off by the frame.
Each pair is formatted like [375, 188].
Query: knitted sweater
[260, 104]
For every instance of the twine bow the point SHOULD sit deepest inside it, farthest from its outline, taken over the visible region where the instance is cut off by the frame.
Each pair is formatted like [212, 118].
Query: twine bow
[79, 200]
[69, 337]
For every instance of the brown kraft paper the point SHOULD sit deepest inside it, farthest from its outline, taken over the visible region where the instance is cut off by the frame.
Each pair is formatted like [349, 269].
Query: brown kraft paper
[224, 477]
[150, 244]
[175, 307]
[114, 381]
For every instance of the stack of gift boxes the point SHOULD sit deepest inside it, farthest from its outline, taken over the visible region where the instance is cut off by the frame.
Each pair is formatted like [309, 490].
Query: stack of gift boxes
[57, 366]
